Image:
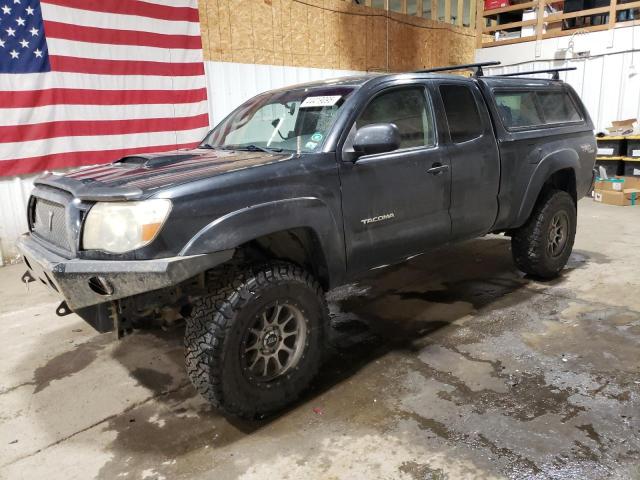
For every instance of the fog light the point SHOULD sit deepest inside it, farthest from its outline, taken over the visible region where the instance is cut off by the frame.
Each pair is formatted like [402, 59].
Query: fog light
[101, 286]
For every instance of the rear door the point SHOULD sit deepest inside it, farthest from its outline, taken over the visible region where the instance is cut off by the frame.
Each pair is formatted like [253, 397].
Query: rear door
[395, 204]
[474, 158]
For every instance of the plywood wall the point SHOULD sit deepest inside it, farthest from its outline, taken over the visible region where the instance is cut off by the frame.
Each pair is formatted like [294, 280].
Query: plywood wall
[328, 34]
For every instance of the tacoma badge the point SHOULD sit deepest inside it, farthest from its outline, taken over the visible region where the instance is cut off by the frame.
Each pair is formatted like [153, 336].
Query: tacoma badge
[379, 218]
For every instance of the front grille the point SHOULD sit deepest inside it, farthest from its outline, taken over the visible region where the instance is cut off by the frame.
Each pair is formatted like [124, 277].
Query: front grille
[50, 224]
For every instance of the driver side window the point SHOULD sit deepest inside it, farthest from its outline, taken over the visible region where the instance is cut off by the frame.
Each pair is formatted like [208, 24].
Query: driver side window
[408, 109]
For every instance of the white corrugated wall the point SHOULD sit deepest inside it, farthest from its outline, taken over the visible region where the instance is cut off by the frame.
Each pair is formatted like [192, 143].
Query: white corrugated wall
[229, 84]
[607, 76]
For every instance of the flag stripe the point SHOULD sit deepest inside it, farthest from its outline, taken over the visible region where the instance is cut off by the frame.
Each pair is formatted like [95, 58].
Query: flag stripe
[38, 81]
[18, 116]
[72, 48]
[132, 7]
[57, 13]
[23, 133]
[36, 148]
[98, 97]
[124, 67]
[66, 31]
[77, 159]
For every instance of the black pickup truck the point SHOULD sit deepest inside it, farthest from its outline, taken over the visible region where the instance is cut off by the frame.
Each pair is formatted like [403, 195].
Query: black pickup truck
[300, 190]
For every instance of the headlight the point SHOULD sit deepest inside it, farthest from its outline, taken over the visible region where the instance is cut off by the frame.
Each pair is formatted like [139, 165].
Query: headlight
[119, 227]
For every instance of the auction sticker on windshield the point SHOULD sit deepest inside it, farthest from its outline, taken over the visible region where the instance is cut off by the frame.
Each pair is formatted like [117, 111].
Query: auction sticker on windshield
[320, 101]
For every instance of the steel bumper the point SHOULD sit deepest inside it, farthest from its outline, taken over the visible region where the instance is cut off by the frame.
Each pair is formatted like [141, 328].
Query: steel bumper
[71, 278]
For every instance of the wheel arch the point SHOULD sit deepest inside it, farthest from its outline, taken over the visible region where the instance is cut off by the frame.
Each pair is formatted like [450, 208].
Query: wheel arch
[301, 230]
[557, 170]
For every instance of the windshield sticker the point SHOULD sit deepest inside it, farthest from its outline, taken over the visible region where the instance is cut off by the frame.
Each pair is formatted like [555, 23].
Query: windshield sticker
[322, 101]
[316, 137]
[310, 145]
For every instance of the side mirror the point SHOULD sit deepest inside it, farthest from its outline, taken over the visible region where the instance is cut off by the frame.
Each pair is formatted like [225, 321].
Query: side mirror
[376, 138]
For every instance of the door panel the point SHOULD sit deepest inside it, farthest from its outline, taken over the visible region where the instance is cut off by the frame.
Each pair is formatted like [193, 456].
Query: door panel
[393, 205]
[474, 157]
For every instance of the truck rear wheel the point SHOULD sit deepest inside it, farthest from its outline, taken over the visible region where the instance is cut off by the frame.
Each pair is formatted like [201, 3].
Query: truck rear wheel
[255, 342]
[542, 246]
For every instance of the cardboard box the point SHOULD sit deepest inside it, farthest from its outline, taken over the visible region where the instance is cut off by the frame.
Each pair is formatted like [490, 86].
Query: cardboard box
[610, 185]
[622, 127]
[628, 196]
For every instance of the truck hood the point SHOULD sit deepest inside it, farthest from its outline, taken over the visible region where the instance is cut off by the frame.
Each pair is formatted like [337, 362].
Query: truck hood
[134, 176]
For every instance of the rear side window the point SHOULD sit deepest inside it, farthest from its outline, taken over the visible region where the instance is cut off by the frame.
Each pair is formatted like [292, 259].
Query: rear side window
[535, 108]
[462, 113]
[408, 109]
[518, 109]
[557, 107]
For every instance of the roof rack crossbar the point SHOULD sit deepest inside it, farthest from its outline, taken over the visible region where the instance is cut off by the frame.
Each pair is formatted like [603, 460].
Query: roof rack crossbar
[468, 66]
[554, 71]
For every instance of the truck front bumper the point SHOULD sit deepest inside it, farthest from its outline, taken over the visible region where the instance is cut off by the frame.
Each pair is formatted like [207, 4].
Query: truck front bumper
[83, 283]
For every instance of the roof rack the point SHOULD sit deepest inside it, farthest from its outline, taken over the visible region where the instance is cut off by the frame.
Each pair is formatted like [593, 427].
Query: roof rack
[468, 66]
[554, 71]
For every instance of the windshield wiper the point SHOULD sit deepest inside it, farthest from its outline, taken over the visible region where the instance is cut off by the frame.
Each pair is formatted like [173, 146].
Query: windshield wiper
[207, 145]
[252, 148]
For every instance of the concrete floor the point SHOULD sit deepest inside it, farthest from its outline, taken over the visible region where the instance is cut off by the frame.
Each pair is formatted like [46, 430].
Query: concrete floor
[451, 366]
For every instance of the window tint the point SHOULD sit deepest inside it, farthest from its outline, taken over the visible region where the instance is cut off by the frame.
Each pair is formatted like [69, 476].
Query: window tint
[462, 113]
[557, 107]
[518, 109]
[408, 109]
[534, 108]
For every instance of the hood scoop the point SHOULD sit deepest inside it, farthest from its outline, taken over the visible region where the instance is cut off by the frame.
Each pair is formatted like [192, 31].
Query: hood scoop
[155, 160]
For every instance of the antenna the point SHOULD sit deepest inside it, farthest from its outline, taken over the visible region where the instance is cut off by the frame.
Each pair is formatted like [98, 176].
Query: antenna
[554, 71]
[467, 66]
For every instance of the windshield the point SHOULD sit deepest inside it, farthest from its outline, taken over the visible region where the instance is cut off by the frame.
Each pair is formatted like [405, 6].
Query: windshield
[297, 120]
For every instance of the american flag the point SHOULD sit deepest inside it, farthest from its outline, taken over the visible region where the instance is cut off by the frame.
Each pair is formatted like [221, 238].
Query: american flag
[87, 81]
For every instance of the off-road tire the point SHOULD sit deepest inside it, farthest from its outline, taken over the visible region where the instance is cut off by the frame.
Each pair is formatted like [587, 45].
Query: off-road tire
[529, 243]
[219, 320]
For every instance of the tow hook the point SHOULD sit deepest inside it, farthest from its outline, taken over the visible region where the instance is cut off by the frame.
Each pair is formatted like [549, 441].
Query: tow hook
[27, 278]
[63, 309]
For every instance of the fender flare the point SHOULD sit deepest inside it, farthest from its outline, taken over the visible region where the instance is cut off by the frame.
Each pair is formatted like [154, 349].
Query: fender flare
[241, 226]
[550, 164]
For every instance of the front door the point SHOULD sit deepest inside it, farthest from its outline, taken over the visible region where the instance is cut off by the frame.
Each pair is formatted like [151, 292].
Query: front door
[395, 204]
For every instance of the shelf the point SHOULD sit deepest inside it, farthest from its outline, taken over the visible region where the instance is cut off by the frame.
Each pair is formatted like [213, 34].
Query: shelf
[507, 26]
[508, 41]
[620, 137]
[624, 159]
[558, 17]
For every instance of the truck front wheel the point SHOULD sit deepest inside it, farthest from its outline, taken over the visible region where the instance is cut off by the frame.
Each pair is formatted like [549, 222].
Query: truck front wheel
[255, 342]
[542, 246]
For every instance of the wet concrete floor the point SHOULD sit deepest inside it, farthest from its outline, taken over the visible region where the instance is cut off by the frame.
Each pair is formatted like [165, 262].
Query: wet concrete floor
[453, 365]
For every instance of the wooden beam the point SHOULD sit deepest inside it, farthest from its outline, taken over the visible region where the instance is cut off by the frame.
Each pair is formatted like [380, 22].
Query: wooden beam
[403, 6]
[447, 11]
[557, 17]
[419, 6]
[540, 19]
[564, 33]
[511, 8]
[506, 26]
[460, 13]
[612, 13]
[434, 10]
[627, 6]
[480, 21]
[472, 14]
[508, 41]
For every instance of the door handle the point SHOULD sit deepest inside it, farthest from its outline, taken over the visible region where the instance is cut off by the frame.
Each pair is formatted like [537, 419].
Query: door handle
[438, 169]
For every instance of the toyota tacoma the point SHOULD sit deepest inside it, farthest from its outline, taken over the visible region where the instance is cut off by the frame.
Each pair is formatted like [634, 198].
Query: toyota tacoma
[300, 190]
